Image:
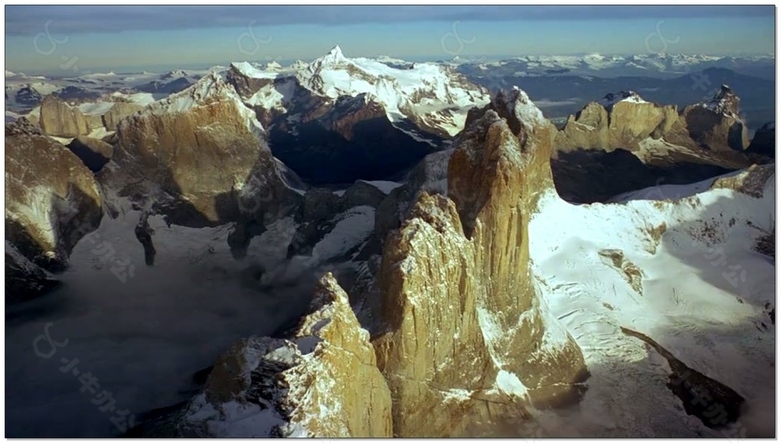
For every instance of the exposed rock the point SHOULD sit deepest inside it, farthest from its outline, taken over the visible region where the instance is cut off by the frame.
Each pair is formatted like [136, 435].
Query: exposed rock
[750, 181]
[245, 85]
[201, 156]
[464, 339]
[725, 102]
[117, 112]
[632, 273]
[144, 232]
[60, 119]
[93, 152]
[94, 121]
[52, 199]
[623, 123]
[22, 126]
[430, 175]
[713, 131]
[321, 381]
[623, 120]
[624, 144]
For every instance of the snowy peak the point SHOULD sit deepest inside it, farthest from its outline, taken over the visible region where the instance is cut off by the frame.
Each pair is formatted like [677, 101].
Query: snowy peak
[334, 57]
[335, 53]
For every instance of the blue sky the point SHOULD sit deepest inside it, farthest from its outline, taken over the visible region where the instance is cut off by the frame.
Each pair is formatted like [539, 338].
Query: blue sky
[148, 37]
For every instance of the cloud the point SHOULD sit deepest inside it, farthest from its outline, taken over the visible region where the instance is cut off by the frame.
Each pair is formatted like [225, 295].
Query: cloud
[29, 20]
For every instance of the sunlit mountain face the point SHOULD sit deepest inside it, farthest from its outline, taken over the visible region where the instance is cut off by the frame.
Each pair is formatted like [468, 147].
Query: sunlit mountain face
[282, 222]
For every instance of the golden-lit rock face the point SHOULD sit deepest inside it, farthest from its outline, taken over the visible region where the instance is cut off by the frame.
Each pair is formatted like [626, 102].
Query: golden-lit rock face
[714, 131]
[713, 126]
[622, 126]
[460, 308]
[342, 375]
[60, 119]
[202, 147]
[321, 381]
[463, 345]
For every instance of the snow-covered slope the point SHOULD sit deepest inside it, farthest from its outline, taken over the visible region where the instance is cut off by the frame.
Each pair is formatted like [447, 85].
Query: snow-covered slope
[683, 272]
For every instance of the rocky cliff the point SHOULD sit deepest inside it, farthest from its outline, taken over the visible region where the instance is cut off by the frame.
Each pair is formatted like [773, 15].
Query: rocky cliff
[624, 120]
[623, 143]
[201, 157]
[715, 125]
[462, 344]
[464, 340]
[60, 119]
[52, 200]
[320, 381]
[620, 120]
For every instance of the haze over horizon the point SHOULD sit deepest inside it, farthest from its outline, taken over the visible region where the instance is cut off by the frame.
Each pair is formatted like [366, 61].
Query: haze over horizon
[126, 38]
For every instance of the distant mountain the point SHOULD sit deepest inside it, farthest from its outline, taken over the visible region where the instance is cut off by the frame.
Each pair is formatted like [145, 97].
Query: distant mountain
[644, 65]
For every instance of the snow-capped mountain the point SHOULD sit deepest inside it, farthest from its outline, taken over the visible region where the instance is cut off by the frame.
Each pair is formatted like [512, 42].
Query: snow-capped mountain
[319, 113]
[431, 94]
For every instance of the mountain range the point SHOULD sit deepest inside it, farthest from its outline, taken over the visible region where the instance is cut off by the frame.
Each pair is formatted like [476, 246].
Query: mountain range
[354, 247]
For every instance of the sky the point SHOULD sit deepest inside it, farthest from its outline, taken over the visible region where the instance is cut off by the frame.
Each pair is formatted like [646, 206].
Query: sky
[50, 39]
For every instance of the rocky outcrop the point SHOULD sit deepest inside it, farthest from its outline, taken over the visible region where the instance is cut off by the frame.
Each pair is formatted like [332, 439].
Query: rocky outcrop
[619, 120]
[60, 119]
[716, 125]
[93, 152]
[320, 381]
[464, 339]
[52, 200]
[624, 143]
[201, 158]
[623, 120]
[117, 112]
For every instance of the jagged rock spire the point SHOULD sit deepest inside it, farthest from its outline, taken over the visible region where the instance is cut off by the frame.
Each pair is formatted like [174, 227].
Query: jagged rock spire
[460, 308]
